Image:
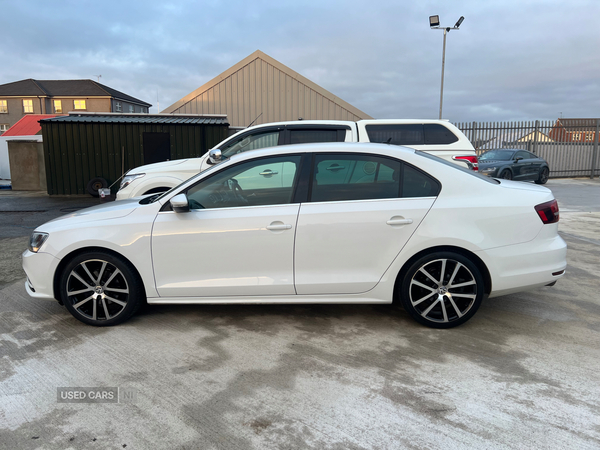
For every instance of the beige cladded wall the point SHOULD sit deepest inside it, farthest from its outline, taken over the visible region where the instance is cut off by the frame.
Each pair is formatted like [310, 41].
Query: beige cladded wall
[260, 84]
[27, 168]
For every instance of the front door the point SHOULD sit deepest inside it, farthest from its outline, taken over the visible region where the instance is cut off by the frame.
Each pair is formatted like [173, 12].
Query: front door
[237, 239]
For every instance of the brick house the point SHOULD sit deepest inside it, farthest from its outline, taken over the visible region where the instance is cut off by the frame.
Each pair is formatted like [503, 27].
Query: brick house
[573, 130]
[19, 98]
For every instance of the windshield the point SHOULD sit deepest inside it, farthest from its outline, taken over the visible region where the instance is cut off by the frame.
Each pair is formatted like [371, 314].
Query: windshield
[497, 155]
[156, 197]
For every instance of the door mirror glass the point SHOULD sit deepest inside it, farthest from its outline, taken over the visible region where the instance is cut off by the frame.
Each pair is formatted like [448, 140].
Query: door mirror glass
[180, 203]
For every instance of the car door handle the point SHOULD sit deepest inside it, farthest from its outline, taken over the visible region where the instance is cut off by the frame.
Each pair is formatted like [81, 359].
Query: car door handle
[335, 167]
[268, 172]
[279, 226]
[399, 221]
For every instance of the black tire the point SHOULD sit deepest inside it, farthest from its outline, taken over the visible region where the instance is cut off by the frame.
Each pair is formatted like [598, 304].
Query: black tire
[94, 185]
[543, 177]
[101, 289]
[445, 306]
[506, 175]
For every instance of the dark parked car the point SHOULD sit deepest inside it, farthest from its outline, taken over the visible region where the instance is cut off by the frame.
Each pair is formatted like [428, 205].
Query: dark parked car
[514, 164]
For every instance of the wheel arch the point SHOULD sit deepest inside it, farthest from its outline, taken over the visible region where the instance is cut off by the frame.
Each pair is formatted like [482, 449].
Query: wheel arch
[69, 257]
[485, 273]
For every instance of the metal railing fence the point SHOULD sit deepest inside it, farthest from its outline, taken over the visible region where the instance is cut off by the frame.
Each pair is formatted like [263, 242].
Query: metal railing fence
[569, 145]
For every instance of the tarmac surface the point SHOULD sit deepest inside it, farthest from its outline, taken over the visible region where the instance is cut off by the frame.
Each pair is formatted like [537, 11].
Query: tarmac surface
[523, 373]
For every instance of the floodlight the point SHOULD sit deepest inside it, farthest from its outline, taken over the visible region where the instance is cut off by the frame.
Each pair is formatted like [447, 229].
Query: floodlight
[434, 21]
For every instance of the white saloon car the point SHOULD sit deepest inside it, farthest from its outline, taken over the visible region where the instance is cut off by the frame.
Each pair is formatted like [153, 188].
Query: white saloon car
[317, 223]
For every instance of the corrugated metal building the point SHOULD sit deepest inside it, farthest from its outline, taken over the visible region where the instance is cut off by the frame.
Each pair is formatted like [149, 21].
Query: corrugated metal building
[261, 85]
[81, 147]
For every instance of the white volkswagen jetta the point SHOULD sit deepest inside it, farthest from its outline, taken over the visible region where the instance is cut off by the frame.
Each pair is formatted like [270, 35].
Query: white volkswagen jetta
[318, 223]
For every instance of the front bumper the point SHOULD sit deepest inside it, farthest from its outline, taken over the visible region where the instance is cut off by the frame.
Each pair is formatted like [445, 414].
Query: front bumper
[39, 268]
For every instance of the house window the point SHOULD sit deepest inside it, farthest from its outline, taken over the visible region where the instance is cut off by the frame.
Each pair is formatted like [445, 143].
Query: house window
[4, 127]
[576, 137]
[589, 137]
[130, 108]
[79, 104]
[118, 106]
[27, 106]
[3, 106]
[57, 106]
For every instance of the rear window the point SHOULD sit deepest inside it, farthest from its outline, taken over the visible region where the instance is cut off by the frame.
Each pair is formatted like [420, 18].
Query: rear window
[411, 134]
[457, 167]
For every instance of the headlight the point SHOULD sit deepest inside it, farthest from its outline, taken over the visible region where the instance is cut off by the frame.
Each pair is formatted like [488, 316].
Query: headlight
[36, 241]
[127, 179]
[488, 170]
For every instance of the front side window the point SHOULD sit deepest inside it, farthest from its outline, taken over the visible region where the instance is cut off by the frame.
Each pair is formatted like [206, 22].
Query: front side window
[79, 104]
[3, 106]
[522, 154]
[251, 142]
[27, 106]
[265, 181]
[57, 106]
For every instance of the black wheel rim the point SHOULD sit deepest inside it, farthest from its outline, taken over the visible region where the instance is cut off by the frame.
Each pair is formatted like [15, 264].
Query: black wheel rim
[97, 290]
[443, 290]
[544, 175]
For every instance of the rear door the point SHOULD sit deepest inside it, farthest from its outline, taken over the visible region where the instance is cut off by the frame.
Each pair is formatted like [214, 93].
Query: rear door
[361, 212]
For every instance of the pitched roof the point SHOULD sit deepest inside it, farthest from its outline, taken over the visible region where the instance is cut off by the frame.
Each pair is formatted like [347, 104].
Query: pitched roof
[60, 88]
[28, 125]
[168, 119]
[258, 55]
[577, 124]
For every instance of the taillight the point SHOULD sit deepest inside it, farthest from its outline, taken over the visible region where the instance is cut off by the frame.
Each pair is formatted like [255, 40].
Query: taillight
[471, 160]
[548, 211]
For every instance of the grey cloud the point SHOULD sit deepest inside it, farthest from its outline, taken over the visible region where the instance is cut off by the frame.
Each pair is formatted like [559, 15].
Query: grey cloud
[511, 60]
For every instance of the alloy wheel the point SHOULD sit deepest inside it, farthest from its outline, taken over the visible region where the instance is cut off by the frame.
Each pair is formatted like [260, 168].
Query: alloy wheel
[97, 290]
[442, 290]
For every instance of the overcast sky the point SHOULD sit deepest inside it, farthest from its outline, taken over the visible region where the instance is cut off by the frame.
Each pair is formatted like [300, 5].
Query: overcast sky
[510, 60]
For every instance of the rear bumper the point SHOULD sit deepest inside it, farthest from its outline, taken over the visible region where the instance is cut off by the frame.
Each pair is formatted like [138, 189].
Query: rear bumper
[526, 266]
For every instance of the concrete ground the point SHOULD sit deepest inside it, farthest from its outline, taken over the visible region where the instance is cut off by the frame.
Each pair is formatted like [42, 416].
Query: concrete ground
[523, 373]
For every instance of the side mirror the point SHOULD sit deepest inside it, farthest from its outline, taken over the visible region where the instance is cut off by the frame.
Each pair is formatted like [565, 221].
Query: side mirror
[518, 158]
[215, 156]
[180, 203]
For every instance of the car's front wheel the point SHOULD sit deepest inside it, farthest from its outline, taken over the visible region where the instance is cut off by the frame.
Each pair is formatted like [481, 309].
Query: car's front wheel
[100, 289]
[442, 289]
[506, 175]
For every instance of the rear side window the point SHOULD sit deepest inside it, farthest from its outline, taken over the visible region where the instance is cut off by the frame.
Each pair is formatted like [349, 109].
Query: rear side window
[309, 136]
[410, 134]
[438, 134]
[340, 177]
[418, 184]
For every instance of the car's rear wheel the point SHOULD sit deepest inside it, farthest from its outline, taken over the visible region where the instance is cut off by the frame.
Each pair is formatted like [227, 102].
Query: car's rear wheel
[101, 289]
[442, 289]
[544, 175]
[506, 175]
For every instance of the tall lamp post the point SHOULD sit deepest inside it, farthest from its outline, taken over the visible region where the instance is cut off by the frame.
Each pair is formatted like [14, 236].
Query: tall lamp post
[434, 24]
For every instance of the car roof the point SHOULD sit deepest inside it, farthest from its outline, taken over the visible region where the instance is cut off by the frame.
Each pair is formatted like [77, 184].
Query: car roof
[327, 147]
